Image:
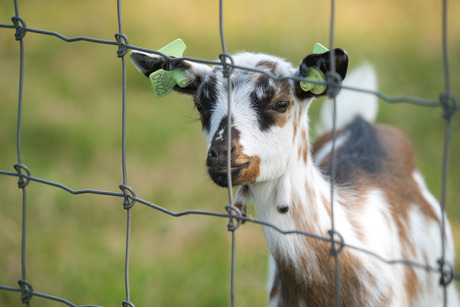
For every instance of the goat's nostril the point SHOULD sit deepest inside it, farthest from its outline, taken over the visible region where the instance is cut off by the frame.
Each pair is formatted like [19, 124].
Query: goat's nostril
[217, 152]
[212, 153]
[217, 156]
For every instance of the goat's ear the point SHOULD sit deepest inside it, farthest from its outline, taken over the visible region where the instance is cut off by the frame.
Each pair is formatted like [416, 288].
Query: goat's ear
[148, 63]
[321, 62]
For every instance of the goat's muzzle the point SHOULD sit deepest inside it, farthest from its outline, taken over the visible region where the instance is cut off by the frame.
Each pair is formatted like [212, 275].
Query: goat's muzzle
[217, 164]
[243, 168]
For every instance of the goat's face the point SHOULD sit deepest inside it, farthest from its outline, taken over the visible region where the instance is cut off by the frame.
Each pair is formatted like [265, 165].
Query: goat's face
[265, 115]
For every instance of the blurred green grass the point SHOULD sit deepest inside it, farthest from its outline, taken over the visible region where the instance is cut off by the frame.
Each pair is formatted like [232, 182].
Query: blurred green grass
[71, 134]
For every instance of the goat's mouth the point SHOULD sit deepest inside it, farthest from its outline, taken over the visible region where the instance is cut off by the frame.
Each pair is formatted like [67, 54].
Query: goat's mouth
[219, 174]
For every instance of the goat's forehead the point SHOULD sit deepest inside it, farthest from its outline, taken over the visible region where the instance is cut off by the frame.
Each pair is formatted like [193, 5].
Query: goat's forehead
[259, 59]
[252, 92]
[272, 65]
[214, 85]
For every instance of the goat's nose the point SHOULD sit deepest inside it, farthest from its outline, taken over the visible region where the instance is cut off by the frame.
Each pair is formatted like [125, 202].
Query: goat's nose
[215, 152]
[217, 155]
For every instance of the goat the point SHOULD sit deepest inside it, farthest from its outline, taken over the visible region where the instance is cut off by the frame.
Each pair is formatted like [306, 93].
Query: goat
[381, 202]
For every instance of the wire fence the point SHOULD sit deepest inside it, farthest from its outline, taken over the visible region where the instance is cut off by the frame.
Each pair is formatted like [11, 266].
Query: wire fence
[127, 195]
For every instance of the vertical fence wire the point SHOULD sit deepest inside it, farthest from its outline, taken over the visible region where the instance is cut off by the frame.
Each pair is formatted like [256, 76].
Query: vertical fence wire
[224, 57]
[122, 51]
[25, 296]
[449, 105]
[447, 101]
[334, 251]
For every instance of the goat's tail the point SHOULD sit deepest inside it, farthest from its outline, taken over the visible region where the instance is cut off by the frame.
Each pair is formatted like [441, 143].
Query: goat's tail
[350, 103]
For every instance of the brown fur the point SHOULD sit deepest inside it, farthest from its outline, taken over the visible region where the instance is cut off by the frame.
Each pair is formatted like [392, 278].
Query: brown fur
[396, 176]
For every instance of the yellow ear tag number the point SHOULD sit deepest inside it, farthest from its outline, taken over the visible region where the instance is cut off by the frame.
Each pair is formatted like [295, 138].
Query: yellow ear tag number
[315, 74]
[164, 81]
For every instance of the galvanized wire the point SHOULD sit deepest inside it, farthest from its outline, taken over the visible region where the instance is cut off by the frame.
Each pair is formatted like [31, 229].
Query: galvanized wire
[121, 52]
[447, 101]
[332, 91]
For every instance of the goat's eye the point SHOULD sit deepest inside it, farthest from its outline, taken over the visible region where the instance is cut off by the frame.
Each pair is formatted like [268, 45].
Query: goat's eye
[280, 106]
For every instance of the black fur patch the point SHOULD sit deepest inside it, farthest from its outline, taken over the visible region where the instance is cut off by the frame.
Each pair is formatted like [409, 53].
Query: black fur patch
[361, 152]
[206, 99]
[261, 98]
[322, 62]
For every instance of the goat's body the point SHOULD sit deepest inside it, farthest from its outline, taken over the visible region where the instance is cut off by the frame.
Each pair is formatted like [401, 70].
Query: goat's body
[372, 211]
[381, 204]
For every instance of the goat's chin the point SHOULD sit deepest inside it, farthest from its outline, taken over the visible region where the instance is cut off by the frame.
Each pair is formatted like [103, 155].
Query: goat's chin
[220, 177]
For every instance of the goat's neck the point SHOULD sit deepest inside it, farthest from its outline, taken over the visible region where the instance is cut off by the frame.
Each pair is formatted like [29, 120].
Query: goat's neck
[300, 199]
[297, 200]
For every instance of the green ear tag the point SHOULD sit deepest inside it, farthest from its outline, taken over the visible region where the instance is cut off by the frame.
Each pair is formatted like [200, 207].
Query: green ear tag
[175, 49]
[315, 74]
[319, 48]
[164, 81]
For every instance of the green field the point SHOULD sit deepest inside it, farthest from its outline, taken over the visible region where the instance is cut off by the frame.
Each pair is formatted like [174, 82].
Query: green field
[71, 134]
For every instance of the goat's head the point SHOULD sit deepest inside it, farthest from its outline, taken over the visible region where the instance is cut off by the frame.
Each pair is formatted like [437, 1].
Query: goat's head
[266, 113]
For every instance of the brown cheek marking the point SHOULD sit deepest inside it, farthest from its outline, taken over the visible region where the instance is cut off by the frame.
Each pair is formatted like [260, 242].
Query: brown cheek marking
[250, 174]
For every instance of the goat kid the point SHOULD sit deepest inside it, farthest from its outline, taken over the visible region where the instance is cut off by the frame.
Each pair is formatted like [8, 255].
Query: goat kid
[381, 202]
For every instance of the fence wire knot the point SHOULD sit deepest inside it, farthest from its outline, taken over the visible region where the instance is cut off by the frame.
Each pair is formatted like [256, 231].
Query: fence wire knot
[449, 105]
[226, 68]
[333, 83]
[334, 251]
[26, 295]
[128, 194]
[21, 182]
[233, 212]
[447, 272]
[127, 304]
[122, 41]
[20, 25]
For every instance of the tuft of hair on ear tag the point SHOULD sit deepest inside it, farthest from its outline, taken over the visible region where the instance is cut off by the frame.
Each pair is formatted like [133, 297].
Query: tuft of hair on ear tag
[315, 74]
[164, 81]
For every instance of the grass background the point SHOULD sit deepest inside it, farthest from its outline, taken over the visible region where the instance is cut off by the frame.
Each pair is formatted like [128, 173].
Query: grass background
[71, 134]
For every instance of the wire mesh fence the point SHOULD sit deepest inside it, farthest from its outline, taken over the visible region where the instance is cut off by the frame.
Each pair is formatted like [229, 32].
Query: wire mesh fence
[127, 194]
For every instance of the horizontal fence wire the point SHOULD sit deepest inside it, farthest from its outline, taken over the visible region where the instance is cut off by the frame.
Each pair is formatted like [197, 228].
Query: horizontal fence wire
[128, 197]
